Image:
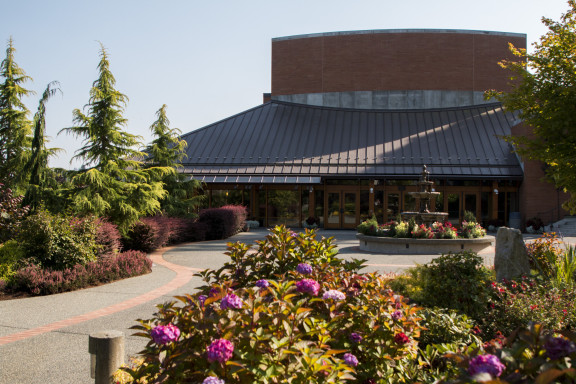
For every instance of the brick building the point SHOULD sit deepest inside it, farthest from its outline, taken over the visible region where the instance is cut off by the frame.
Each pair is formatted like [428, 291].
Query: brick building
[353, 116]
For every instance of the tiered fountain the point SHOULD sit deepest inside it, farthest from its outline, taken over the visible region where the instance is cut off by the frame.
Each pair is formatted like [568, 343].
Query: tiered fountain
[425, 198]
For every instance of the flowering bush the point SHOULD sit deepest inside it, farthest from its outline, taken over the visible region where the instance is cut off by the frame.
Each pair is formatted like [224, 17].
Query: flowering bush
[165, 334]
[513, 304]
[471, 230]
[11, 213]
[422, 232]
[358, 330]
[530, 355]
[544, 253]
[444, 231]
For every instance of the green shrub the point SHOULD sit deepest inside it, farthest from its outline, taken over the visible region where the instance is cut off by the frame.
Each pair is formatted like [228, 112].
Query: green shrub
[469, 217]
[544, 253]
[58, 242]
[455, 281]
[10, 255]
[447, 326]
[11, 213]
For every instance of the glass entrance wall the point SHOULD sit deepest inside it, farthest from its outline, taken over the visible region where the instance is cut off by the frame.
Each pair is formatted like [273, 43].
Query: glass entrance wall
[345, 205]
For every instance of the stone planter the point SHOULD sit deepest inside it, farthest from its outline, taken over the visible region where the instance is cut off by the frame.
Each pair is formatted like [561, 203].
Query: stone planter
[395, 246]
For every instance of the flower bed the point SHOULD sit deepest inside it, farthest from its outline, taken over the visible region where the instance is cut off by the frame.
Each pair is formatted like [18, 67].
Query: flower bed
[405, 237]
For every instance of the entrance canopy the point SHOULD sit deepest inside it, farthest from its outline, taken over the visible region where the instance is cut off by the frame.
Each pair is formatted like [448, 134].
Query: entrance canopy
[280, 142]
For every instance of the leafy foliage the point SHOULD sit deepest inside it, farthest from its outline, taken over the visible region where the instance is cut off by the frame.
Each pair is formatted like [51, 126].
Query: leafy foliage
[112, 184]
[543, 93]
[14, 124]
[11, 213]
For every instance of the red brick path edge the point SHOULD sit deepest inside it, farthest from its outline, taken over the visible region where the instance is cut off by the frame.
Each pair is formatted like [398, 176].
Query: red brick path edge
[183, 276]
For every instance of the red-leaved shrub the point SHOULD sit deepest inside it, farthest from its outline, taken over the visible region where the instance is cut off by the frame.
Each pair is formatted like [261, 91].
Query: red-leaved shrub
[108, 238]
[143, 236]
[38, 281]
[223, 222]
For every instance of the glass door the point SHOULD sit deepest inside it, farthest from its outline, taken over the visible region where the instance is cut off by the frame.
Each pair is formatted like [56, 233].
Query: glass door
[342, 209]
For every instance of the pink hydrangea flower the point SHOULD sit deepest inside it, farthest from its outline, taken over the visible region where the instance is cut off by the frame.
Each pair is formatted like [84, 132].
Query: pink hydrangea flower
[396, 315]
[334, 295]
[220, 350]
[212, 380]
[304, 268]
[165, 334]
[231, 301]
[486, 364]
[350, 359]
[308, 286]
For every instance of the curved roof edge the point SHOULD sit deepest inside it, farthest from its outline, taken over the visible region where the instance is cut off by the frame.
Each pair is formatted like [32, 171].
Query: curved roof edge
[379, 31]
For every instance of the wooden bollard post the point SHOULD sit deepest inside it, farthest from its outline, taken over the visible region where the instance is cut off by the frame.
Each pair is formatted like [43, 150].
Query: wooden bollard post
[106, 355]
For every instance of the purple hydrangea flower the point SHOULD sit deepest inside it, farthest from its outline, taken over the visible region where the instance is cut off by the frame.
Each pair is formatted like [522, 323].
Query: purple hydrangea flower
[355, 337]
[559, 347]
[486, 364]
[213, 292]
[293, 234]
[165, 334]
[220, 350]
[350, 359]
[304, 268]
[308, 286]
[202, 299]
[334, 295]
[231, 301]
[262, 283]
[212, 380]
[396, 315]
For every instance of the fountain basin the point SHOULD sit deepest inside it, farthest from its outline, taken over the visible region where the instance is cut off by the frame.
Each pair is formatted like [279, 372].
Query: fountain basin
[396, 246]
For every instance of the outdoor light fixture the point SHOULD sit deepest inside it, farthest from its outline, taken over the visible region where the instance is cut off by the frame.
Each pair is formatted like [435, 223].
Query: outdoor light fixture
[495, 191]
[371, 190]
[311, 189]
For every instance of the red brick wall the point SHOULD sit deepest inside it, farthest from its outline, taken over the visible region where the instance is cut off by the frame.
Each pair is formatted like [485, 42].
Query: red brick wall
[537, 196]
[390, 61]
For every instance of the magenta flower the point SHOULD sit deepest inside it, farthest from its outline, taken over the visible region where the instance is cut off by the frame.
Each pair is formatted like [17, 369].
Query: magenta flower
[486, 364]
[202, 299]
[165, 334]
[350, 359]
[558, 347]
[304, 268]
[220, 350]
[401, 338]
[212, 380]
[334, 295]
[396, 315]
[262, 283]
[355, 337]
[308, 286]
[231, 301]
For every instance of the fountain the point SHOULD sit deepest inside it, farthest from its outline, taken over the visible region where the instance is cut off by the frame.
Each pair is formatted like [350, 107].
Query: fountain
[425, 198]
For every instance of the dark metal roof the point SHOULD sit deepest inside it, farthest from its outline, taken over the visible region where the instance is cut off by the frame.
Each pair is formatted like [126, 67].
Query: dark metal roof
[295, 140]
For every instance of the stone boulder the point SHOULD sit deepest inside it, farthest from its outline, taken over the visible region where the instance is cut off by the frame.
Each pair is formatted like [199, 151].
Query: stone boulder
[511, 258]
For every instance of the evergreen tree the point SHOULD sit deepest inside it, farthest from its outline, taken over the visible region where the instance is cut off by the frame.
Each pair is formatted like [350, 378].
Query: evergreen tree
[167, 150]
[14, 124]
[42, 182]
[112, 182]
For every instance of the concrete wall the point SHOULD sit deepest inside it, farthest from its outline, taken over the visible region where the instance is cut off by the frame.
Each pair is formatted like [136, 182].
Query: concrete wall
[410, 99]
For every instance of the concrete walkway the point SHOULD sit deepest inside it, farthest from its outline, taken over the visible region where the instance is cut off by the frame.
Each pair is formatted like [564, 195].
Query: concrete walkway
[44, 339]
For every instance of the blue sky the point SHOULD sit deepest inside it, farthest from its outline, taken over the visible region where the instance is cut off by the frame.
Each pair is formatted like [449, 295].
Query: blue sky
[207, 60]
